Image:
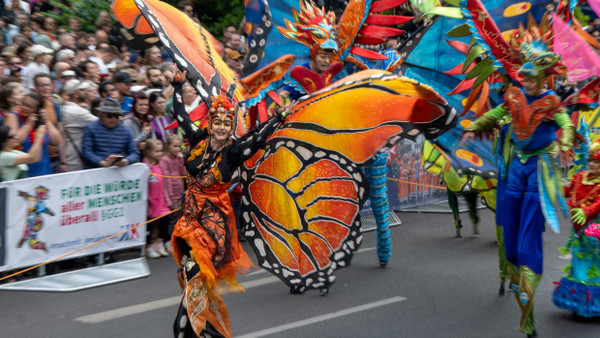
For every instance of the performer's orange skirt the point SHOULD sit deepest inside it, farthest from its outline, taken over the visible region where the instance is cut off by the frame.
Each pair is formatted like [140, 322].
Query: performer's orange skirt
[208, 228]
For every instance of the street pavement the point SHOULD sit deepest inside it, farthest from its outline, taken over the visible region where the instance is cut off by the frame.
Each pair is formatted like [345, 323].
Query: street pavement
[436, 285]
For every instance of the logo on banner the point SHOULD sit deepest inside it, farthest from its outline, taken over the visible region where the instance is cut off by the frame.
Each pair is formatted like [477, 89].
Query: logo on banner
[129, 235]
[34, 221]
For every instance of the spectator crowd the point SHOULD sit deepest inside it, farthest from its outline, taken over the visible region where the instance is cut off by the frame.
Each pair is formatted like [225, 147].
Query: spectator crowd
[73, 100]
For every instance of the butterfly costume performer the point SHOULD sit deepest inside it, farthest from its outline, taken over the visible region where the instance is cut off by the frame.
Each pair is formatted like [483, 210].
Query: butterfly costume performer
[302, 186]
[528, 174]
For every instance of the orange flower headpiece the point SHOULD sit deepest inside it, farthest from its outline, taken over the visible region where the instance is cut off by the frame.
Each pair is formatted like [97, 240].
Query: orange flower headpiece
[221, 109]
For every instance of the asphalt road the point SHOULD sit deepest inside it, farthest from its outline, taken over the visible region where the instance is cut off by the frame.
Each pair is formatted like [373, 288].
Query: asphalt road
[436, 285]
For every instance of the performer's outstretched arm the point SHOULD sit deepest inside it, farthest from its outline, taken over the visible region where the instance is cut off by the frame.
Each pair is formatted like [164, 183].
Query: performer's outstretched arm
[246, 146]
[191, 131]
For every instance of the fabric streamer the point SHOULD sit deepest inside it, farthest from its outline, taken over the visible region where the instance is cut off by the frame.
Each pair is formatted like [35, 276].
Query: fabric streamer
[579, 58]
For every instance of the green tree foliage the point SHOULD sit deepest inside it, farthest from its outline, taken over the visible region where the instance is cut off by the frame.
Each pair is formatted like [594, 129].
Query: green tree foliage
[214, 15]
[582, 18]
[86, 10]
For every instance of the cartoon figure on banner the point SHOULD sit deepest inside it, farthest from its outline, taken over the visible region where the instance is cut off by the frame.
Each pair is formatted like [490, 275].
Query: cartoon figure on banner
[35, 222]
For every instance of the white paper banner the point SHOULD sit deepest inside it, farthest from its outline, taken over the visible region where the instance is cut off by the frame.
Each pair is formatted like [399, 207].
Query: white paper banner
[49, 216]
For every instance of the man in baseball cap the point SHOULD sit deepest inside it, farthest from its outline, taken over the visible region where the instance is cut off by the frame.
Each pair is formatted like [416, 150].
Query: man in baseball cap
[41, 58]
[123, 82]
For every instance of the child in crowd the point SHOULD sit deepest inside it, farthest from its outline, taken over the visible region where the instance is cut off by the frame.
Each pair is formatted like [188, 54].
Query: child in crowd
[157, 201]
[172, 165]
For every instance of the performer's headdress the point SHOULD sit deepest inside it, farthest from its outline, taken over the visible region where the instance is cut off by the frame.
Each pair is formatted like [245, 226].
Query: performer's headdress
[220, 110]
[535, 51]
[312, 27]
[595, 151]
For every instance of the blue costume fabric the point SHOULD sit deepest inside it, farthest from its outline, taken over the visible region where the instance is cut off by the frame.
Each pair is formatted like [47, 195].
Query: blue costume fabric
[579, 292]
[376, 173]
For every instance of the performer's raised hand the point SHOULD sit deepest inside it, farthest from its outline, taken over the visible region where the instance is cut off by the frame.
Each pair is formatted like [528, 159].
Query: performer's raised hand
[179, 78]
[286, 111]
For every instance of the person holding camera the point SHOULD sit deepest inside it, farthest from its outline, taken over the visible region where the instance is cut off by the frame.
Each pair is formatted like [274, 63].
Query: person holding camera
[108, 142]
[13, 163]
[25, 123]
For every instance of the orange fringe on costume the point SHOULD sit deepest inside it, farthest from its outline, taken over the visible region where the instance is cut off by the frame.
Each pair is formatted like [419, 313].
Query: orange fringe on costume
[207, 201]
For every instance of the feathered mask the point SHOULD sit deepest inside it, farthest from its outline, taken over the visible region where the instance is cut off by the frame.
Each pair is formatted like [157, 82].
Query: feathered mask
[312, 27]
[535, 51]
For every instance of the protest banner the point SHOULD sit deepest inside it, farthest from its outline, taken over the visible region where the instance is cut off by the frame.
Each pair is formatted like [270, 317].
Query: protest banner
[46, 217]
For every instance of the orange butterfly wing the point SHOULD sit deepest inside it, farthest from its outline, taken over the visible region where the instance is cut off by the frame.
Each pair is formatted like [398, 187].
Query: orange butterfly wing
[302, 195]
[191, 46]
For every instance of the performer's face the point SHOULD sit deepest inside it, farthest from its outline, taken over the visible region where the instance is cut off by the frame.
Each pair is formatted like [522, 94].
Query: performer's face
[594, 166]
[533, 86]
[221, 130]
[322, 61]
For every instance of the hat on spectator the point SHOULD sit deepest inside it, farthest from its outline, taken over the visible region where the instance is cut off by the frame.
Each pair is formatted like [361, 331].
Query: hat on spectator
[37, 50]
[233, 54]
[71, 86]
[123, 77]
[68, 73]
[137, 88]
[87, 84]
[111, 106]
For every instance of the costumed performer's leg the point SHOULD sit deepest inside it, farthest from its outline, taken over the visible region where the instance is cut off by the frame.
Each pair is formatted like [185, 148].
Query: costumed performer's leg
[206, 247]
[510, 200]
[500, 221]
[376, 173]
[530, 256]
[471, 198]
[523, 236]
[453, 203]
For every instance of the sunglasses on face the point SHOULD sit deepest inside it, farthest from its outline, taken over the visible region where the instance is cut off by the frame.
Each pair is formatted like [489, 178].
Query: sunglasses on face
[112, 116]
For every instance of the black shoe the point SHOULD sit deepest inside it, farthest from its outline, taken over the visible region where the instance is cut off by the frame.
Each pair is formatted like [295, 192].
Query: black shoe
[382, 264]
[294, 290]
[241, 238]
[502, 289]
[533, 334]
[324, 291]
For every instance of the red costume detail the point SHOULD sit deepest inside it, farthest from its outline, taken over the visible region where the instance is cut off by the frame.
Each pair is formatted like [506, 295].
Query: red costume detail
[584, 195]
[526, 118]
[311, 81]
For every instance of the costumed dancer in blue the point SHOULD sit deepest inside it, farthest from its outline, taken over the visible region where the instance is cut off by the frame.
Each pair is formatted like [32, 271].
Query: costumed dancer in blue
[579, 290]
[530, 170]
[377, 170]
